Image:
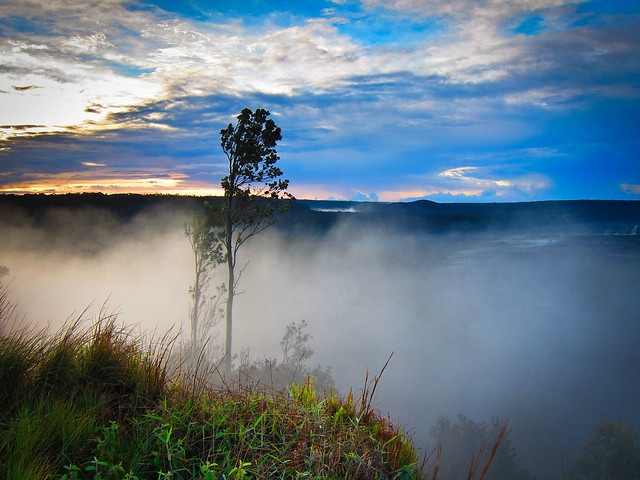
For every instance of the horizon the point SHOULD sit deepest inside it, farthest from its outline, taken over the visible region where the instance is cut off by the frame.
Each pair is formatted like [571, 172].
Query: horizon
[337, 200]
[453, 102]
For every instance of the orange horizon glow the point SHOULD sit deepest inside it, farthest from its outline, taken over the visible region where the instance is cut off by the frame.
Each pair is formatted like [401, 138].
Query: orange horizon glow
[176, 185]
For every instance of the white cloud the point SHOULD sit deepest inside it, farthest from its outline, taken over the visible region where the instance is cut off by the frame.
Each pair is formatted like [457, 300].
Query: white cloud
[85, 43]
[458, 172]
[497, 9]
[464, 182]
[232, 59]
[483, 180]
[468, 182]
[57, 104]
[73, 71]
[475, 47]
[178, 57]
[97, 59]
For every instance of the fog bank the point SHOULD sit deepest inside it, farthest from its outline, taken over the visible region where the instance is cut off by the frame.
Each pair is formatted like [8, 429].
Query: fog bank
[88, 261]
[538, 327]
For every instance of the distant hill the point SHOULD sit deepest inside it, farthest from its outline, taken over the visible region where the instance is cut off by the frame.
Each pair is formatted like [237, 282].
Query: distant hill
[435, 217]
[320, 215]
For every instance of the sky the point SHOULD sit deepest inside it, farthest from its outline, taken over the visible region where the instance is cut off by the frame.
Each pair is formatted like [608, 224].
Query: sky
[395, 100]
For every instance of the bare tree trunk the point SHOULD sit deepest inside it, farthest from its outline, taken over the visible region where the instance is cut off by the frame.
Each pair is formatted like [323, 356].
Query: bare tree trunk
[231, 283]
[195, 310]
[230, 295]
[196, 290]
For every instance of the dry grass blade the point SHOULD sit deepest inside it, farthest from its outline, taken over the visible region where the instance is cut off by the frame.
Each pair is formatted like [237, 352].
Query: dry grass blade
[436, 465]
[475, 462]
[501, 434]
[368, 392]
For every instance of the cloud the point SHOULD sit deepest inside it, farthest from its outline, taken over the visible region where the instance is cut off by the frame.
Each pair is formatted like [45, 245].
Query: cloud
[462, 80]
[76, 61]
[68, 90]
[630, 188]
[196, 59]
[470, 182]
[458, 172]
[565, 59]
[85, 44]
[483, 179]
[365, 197]
[171, 56]
[465, 9]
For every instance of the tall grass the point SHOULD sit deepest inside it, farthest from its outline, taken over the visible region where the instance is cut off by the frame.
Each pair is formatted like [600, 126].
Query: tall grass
[94, 401]
[57, 391]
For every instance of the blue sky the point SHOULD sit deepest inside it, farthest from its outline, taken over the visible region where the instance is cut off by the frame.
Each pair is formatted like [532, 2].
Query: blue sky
[395, 100]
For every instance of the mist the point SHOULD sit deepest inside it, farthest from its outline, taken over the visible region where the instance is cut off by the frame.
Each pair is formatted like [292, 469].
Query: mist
[81, 263]
[537, 326]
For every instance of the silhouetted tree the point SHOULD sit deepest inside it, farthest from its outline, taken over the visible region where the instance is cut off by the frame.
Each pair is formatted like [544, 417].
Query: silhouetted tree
[467, 441]
[611, 453]
[253, 193]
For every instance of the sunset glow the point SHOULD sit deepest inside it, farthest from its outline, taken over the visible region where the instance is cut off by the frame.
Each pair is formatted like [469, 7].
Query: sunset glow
[62, 184]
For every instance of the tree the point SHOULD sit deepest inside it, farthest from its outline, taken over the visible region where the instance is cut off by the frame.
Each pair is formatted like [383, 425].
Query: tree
[253, 193]
[467, 442]
[203, 231]
[292, 368]
[611, 453]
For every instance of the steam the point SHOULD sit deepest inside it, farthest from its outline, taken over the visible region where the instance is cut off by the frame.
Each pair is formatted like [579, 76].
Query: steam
[539, 327]
[90, 261]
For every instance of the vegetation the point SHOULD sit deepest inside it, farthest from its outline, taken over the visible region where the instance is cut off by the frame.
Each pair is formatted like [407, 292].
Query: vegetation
[291, 368]
[611, 453]
[207, 254]
[97, 402]
[253, 190]
[6, 306]
[466, 449]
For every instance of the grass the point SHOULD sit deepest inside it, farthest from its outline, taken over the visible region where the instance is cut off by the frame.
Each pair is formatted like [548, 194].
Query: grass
[96, 402]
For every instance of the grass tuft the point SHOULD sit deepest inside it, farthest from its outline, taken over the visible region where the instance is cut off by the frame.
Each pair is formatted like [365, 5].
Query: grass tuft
[96, 402]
